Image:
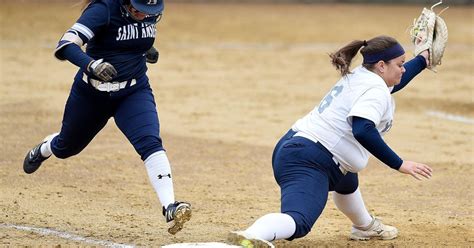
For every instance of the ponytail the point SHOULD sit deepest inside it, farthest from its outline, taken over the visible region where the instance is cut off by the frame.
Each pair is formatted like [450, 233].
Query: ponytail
[342, 58]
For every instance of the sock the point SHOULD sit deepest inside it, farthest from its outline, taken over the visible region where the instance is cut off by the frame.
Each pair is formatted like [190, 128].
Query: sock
[352, 205]
[272, 226]
[46, 147]
[159, 171]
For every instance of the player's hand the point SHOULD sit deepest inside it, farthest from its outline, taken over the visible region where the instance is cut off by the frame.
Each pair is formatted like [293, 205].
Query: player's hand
[103, 70]
[417, 170]
[152, 55]
[426, 55]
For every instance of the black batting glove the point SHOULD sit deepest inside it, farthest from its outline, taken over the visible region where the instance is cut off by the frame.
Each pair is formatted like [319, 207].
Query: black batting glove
[152, 55]
[102, 70]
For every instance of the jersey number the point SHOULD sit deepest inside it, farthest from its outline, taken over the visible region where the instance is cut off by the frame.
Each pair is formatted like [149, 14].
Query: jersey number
[329, 97]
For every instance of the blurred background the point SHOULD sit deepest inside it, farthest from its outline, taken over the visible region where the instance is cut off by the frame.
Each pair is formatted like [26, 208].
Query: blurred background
[232, 77]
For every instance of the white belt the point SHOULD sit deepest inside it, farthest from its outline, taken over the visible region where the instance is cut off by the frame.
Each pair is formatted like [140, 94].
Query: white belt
[301, 134]
[344, 171]
[107, 86]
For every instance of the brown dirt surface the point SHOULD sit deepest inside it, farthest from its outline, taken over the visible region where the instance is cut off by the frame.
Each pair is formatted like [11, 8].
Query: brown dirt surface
[232, 78]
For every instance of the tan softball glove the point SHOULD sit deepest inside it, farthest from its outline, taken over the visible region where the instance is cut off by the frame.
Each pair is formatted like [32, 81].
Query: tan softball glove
[429, 32]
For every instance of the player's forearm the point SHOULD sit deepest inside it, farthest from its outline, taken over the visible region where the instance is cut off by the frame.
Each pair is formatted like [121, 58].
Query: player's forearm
[366, 134]
[74, 54]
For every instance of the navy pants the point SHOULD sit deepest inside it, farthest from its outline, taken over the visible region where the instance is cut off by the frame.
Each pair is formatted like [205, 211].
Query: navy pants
[88, 110]
[306, 172]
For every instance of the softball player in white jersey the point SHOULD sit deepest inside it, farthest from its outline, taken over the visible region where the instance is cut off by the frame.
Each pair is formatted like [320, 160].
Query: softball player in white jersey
[330, 123]
[324, 150]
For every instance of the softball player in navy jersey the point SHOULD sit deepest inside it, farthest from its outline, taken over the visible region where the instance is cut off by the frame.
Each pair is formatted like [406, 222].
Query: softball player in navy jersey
[112, 82]
[324, 150]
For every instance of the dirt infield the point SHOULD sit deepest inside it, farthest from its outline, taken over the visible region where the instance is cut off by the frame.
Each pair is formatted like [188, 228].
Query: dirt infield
[230, 81]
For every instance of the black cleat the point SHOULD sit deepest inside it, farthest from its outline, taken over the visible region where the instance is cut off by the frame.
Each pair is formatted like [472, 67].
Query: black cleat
[176, 214]
[33, 159]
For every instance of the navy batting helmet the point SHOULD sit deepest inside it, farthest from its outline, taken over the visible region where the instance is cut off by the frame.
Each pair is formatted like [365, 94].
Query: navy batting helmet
[150, 7]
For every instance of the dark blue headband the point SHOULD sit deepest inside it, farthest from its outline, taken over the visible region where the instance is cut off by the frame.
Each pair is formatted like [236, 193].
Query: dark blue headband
[385, 55]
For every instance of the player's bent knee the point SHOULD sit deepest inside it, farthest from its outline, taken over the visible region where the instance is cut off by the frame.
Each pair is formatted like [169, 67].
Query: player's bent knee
[303, 225]
[346, 191]
[65, 154]
[148, 145]
[348, 184]
[62, 149]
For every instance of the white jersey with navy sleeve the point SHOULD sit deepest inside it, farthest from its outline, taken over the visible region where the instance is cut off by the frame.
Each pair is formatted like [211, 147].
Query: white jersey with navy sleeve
[361, 93]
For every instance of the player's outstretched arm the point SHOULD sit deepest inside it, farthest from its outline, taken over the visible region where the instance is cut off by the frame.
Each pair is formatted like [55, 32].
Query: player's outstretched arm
[417, 170]
[412, 69]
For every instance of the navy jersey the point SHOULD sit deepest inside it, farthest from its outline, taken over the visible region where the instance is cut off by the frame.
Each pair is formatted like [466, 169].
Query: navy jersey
[111, 34]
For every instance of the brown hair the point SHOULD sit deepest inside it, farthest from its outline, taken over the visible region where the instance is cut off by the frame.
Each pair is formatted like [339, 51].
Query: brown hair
[342, 58]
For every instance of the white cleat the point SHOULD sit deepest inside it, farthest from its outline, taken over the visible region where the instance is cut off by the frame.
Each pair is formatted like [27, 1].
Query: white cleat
[245, 240]
[376, 229]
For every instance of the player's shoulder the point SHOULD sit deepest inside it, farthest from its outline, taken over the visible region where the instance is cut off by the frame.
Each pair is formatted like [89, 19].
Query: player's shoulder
[101, 10]
[95, 6]
[369, 89]
[104, 5]
[365, 76]
[362, 80]
[111, 3]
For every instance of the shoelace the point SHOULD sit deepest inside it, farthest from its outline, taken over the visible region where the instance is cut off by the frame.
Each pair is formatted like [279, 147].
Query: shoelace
[413, 30]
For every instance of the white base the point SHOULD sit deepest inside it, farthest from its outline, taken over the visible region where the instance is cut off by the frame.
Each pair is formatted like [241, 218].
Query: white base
[198, 245]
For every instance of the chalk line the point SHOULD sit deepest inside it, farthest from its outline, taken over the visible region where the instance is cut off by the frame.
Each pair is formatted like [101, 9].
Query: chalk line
[201, 245]
[65, 235]
[77, 238]
[451, 117]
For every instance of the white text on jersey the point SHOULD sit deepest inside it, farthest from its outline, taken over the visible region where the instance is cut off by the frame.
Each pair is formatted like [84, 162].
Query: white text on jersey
[130, 32]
